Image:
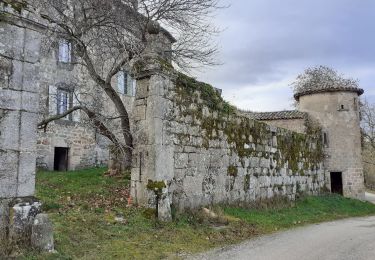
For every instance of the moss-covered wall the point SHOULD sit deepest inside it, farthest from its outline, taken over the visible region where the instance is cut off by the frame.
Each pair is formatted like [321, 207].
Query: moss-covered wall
[223, 157]
[207, 153]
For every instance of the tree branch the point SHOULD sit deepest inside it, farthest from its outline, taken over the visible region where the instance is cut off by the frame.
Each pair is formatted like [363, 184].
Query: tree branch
[44, 123]
[99, 125]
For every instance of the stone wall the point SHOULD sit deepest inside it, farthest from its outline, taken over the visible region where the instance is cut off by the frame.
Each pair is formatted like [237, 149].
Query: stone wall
[19, 108]
[295, 125]
[208, 154]
[80, 140]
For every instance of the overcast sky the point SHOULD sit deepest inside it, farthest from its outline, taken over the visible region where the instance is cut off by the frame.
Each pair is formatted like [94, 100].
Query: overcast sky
[267, 43]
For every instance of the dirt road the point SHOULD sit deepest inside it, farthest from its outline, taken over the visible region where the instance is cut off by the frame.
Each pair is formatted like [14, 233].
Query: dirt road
[352, 239]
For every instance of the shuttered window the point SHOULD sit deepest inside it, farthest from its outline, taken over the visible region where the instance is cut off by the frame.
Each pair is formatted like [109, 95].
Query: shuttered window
[63, 100]
[125, 84]
[65, 51]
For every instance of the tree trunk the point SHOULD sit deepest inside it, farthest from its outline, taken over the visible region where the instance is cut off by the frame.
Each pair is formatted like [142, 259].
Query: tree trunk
[120, 107]
[125, 124]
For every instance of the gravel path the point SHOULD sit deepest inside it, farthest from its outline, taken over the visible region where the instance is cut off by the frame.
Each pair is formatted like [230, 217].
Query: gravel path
[352, 239]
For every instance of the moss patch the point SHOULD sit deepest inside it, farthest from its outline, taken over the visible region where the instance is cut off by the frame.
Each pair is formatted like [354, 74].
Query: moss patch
[191, 91]
[156, 186]
[217, 118]
[16, 5]
[232, 171]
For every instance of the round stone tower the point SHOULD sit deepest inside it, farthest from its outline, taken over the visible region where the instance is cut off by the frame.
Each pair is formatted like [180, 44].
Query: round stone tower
[336, 108]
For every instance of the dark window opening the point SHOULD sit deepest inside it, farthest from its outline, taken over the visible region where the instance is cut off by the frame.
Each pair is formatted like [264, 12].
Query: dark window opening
[336, 183]
[61, 159]
[325, 139]
[343, 108]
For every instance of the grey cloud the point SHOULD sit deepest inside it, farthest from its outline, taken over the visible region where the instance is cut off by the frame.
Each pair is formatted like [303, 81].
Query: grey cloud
[267, 41]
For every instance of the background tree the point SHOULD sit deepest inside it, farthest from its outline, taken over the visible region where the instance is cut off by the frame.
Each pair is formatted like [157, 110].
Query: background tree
[368, 123]
[368, 132]
[110, 35]
[321, 76]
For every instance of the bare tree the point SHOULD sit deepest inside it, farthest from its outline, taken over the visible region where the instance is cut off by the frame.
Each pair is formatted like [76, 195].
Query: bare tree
[368, 123]
[368, 134]
[321, 76]
[109, 35]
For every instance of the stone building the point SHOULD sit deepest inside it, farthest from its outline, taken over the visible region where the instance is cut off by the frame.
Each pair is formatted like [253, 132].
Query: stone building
[190, 146]
[336, 110]
[39, 80]
[71, 142]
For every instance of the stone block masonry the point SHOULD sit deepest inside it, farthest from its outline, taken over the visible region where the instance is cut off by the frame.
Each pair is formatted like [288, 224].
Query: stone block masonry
[19, 108]
[80, 140]
[343, 135]
[207, 153]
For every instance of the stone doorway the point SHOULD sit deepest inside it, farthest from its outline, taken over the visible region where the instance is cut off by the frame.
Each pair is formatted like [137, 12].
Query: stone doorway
[61, 159]
[336, 183]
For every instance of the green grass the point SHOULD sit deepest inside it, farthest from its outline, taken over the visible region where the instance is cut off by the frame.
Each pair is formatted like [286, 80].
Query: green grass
[306, 210]
[83, 206]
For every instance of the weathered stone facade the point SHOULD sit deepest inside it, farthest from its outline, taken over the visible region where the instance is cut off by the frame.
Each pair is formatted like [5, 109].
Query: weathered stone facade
[206, 153]
[81, 140]
[336, 110]
[19, 99]
[338, 114]
[19, 108]
[85, 147]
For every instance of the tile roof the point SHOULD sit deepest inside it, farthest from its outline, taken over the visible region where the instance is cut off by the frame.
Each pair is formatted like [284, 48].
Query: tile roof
[312, 89]
[278, 115]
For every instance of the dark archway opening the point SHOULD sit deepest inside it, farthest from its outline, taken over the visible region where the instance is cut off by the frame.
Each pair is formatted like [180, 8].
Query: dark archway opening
[61, 159]
[336, 183]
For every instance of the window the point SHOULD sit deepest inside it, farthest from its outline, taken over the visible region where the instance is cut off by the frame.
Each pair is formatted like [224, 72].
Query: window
[65, 51]
[61, 98]
[342, 107]
[122, 79]
[274, 138]
[125, 83]
[64, 102]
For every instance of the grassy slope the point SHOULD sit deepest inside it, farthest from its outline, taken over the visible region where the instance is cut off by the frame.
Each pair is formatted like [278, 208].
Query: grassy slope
[306, 210]
[83, 206]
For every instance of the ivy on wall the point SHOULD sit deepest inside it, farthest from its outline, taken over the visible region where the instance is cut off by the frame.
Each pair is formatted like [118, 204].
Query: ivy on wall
[217, 118]
[16, 5]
